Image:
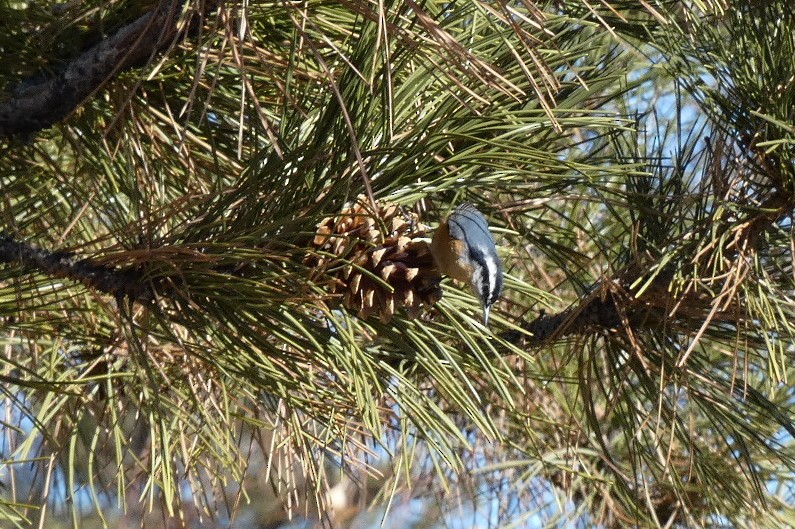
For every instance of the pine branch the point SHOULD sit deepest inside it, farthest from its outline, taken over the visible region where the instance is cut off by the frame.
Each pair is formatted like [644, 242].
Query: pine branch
[612, 306]
[38, 105]
[119, 282]
[594, 314]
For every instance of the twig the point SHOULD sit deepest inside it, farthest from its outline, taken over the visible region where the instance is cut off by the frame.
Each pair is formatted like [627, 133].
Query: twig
[119, 282]
[597, 313]
[35, 105]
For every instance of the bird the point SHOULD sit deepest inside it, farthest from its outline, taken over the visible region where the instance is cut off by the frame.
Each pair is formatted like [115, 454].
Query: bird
[464, 249]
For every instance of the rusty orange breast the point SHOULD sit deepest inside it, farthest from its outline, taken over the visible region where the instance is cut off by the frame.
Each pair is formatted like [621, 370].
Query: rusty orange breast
[450, 254]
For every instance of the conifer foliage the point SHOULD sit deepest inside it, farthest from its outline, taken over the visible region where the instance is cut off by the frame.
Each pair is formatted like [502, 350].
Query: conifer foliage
[217, 305]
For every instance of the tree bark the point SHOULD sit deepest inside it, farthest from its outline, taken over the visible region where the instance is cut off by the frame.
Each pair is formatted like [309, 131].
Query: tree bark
[119, 282]
[37, 105]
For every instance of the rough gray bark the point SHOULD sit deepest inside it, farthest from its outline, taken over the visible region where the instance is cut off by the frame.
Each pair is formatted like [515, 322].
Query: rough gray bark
[119, 282]
[38, 105]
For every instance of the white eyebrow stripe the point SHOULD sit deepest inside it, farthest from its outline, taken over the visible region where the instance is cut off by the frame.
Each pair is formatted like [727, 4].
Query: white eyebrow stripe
[493, 268]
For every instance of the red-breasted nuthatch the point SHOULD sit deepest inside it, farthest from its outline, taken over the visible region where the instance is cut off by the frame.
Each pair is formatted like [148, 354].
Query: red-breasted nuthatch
[464, 249]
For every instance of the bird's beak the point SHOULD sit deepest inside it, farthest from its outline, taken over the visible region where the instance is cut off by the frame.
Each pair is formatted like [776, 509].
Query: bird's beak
[486, 316]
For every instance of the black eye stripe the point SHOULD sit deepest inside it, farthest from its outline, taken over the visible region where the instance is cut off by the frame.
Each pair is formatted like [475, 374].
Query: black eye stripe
[485, 289]
[476, 255]
[488, 292]
[497, 287]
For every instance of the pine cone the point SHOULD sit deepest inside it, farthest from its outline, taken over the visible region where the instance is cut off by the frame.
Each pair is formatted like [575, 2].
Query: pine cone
[377, 262]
